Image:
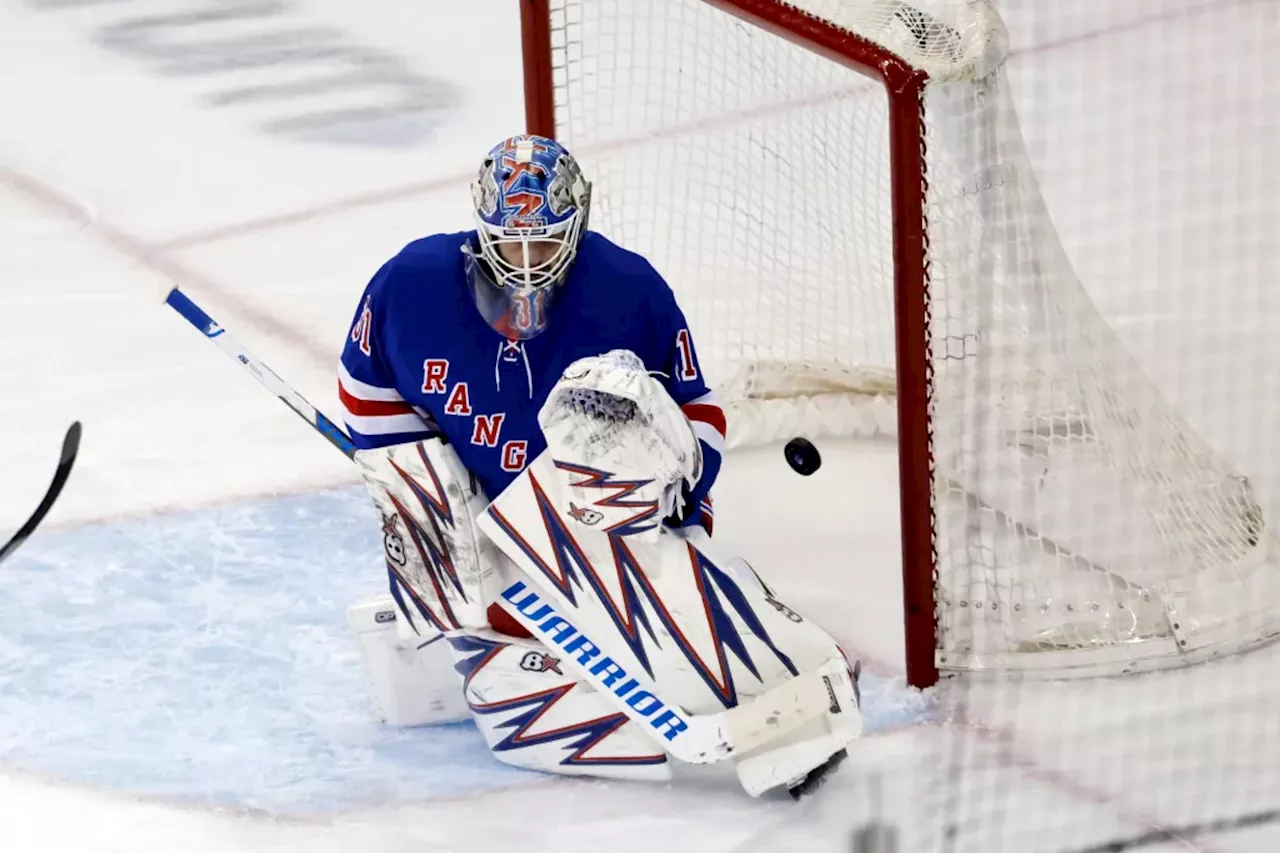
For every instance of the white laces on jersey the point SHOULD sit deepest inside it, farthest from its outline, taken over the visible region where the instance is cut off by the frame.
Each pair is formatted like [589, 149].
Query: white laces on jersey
[512, 346]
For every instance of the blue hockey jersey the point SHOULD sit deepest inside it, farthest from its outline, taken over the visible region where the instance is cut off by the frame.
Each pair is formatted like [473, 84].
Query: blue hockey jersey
[421, 359]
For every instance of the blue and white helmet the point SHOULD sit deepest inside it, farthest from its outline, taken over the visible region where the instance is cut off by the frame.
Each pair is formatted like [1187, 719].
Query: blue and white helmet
[530, 190]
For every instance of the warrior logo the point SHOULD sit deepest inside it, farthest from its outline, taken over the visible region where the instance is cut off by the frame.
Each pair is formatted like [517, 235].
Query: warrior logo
[585, 515]
[392, 542]
[538, 662]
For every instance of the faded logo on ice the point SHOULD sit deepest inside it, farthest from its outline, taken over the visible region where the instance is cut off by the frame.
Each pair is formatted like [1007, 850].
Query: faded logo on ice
[305, 82]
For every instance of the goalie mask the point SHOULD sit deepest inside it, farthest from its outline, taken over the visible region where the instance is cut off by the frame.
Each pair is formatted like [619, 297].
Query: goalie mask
[531, 204]
[516, 313]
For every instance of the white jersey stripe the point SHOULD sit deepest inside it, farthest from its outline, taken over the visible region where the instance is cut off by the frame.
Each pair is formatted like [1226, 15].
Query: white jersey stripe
[709, 435]
[364, 390]
[385, 424]
[707, 399]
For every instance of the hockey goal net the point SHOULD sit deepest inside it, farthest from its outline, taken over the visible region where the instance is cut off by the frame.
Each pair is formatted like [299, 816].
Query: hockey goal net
[842, 198]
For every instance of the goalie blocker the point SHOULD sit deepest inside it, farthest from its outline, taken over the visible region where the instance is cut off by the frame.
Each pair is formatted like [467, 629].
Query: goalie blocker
[647, 642]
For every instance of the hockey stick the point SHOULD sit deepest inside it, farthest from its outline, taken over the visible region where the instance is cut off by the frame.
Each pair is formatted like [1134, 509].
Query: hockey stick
[195, 315]
[70, 447]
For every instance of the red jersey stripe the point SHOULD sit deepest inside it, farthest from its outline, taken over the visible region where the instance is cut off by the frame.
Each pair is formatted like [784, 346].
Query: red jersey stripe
[707, 413]
[372, 408]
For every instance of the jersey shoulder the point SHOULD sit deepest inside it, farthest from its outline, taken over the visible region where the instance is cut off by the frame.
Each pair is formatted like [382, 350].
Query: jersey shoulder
[603, 257]
[624, 277]
[433, 256]
[426, 274]
[418, 295]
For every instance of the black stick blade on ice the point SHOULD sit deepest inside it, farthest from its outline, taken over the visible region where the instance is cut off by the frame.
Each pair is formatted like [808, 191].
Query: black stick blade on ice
[70, 447]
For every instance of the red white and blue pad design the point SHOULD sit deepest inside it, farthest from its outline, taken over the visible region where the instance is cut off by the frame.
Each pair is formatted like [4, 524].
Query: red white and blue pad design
[662, 627]
[778, 738]
[635, 447]
[534, 713]
[442, 574]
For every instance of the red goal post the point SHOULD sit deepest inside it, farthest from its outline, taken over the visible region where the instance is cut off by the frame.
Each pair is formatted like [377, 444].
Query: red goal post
[1042, 528]
[906, 86]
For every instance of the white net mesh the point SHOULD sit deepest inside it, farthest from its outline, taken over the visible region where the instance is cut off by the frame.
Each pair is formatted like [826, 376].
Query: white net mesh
[1101, 214]
[673, 110]
[1083, 524]
[1078, 511]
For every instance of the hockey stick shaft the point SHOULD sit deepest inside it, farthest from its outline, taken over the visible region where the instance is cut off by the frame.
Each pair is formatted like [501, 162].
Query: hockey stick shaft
[70, 447]
[196, 316]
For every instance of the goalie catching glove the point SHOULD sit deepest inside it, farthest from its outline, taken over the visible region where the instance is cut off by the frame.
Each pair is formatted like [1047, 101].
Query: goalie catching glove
[608, 412]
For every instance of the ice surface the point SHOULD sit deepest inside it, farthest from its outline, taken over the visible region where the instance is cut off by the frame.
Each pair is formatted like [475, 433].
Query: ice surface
[203, 657]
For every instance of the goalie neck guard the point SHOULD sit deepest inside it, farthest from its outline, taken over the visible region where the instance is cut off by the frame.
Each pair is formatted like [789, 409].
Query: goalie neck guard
[531, 204]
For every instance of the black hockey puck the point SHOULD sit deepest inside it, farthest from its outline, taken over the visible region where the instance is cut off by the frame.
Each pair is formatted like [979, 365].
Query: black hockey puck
[802, 456]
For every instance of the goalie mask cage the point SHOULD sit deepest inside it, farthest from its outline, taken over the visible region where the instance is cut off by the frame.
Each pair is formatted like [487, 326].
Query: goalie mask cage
[842, 199]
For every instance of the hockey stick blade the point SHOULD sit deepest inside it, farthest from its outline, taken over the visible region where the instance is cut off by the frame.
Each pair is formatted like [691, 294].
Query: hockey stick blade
[70, 447]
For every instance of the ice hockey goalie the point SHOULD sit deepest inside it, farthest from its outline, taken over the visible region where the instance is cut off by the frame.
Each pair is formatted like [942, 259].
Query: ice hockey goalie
[591, 624]
[625, 617]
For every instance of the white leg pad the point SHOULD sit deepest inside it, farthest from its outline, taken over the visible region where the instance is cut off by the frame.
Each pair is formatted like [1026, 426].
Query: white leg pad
[684, 640]
[789, 758]
[536, 714]
[412, 679]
